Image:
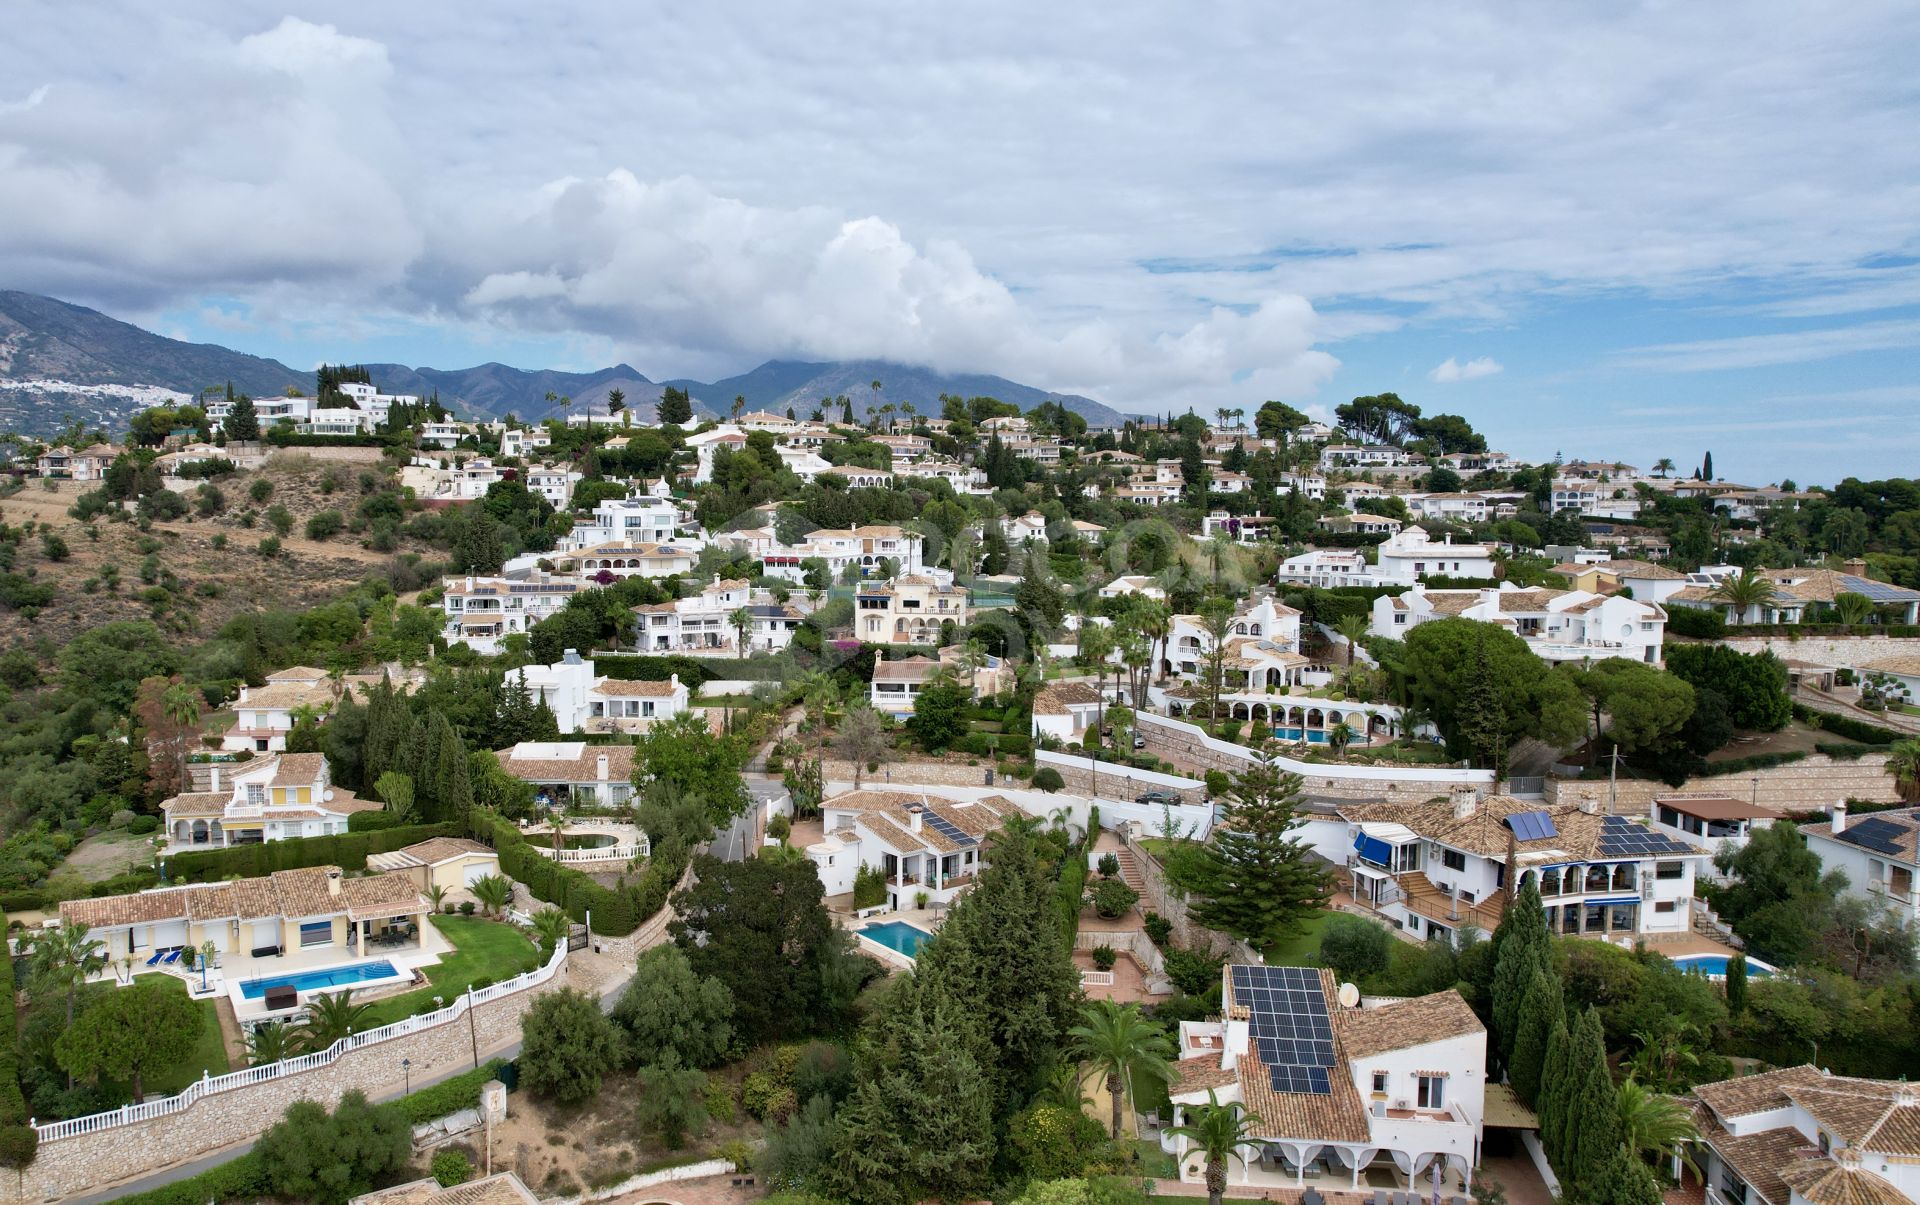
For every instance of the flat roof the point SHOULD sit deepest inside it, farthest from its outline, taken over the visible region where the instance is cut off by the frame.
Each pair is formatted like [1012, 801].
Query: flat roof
[1715, 807]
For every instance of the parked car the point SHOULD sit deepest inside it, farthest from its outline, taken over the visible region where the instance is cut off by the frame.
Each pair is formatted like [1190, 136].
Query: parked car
[1139, 742]
[1156, 798]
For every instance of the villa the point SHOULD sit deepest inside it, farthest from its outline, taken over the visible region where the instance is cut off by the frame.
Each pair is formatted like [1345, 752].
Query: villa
[1802, 1136]
[1796, 592]
[1558, 625]
[923, 846]
[1343, 1093]
[583, 701]
[704, 622]
[1406, 557]
[449, 863]
[897, 684]
[1879, 854]
[1263, 632]
[1708, 822]
[263, 716]
[483, 611]
[640, 520]
[1434, 868]
[635, 560]
[1066, 711]
[572, 770]
[908, 610]
[271, 799]
[85, 464]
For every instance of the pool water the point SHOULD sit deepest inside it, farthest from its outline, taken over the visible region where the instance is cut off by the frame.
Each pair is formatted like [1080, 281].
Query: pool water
[1715, 965]
[307, 981]
[897, 935]
[1314, 736]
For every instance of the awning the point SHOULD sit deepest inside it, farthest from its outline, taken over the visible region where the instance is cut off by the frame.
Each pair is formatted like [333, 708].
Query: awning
[1373, 849]
[1502, 1108]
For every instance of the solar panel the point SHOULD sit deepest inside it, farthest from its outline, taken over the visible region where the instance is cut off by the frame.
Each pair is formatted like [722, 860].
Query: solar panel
[1880, 835]
[947, 828]
[1877, 591]
[1622, 838]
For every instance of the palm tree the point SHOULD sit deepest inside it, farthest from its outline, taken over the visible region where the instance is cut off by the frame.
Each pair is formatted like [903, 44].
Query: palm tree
[1217, 1131]
[271, 1042]
[1339, 737]
[437, 897]
[616, 402]
[1743, 592]
[551, 926]
[1655, 1126]
[1851, 608]
[558, 825]
[973, 655]
[1353, 629]
[1903, 763]
[1123, 1045]
[1063, 1087]
[742, 621]
[739, 404]
[330, 1017]
[1664, 1050]
[64, 957]
[1156, 623]
[1662, 467]
[875, 386]
[493, 891]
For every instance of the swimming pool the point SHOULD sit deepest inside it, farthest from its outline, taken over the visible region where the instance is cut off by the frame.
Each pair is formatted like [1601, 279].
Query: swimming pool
[898, 936]
[307, 981]
[1313, 735]
[1714, 966]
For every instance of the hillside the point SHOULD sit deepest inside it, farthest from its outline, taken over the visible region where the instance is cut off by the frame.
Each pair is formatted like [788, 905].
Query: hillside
[59, 361]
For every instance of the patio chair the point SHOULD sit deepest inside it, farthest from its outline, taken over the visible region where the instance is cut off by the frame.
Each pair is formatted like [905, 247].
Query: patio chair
[172, 957]
[1379, 1196]
[157, 956]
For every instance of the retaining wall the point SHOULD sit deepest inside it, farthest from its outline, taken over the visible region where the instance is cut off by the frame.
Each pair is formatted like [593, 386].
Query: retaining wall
[1837, 651]
[1158, 895]
[1817, 782]
[1186, 744]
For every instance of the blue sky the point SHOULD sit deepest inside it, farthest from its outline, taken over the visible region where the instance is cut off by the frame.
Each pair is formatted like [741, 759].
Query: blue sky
[1619, 231]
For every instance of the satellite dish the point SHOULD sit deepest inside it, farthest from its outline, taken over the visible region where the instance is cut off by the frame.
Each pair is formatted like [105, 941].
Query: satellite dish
[327, 794]
[1349, 995]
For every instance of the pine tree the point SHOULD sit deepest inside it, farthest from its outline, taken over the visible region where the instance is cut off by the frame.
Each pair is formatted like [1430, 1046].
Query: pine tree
[242, 421]
[1543, 1004]
[920, 1125]
[1254, 881]
[1592, 1118]
[1550, 1106]
[675, 406]
[1522, 950]
[477, 547]
[1003, 960]
[1481, 721]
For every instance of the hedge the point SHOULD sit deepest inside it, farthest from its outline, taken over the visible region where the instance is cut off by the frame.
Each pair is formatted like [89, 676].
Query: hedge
[17, 1139]
[349, 851]
[371, 822]
[283, 437]
[1759, 761]
[615, 912]
[693, 671]
[1823, 629]
[243, 1178]
[1847, 726]
[1840, 752]
[1697, 622]
[450, 1095]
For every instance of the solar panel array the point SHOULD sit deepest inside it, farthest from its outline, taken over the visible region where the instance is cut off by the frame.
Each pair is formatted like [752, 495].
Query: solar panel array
[1287, 1017]
[946, 828]
[1876, 833]
[1532, 826]
[1622, 838]
[1877, 591]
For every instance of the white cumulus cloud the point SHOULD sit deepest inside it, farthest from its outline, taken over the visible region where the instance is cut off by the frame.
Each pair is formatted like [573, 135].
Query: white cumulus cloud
[1451, 371]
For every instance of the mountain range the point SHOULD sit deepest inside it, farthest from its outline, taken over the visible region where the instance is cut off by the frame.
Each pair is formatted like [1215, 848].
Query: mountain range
[59, 361]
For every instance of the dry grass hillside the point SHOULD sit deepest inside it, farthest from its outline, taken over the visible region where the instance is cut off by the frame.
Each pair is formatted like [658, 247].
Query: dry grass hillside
[203, 569]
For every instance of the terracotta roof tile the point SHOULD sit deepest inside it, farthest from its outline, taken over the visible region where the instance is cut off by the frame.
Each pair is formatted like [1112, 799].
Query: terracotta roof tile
[1406, 1023]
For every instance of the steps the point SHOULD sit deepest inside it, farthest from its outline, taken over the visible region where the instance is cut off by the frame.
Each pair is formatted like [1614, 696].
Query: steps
[1130, 871]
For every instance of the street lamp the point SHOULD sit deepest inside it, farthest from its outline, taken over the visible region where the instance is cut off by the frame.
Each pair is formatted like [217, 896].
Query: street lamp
[406, 1069]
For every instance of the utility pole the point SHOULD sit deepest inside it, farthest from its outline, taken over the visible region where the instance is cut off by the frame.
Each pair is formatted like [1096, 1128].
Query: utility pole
[1613, 779]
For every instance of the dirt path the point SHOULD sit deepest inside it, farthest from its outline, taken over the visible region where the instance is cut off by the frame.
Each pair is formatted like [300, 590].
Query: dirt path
[107, 854]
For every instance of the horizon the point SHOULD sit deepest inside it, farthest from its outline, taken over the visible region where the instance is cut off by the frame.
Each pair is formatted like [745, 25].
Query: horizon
[1608, 235]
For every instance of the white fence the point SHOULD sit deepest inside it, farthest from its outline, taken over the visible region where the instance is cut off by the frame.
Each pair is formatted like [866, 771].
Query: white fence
[604, 853]
[1410, 774]
[1096, 978]
[53, 1131]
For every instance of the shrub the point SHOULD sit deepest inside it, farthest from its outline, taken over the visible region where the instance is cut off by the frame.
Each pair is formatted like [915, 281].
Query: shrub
[260, 490]
[1159, 929]
[451, 1168]
[1354, 948]
[1112, 898]
[869, 887]
[759, 1093]
[466, 908]
[1192, 971]
[779, 828]
[1218, 783]
[1109, 865]
[142, 825]
[1104, 958]
[325, 525]
[241, 1179]
[449, 1095]
[268, 547]
[720, 1102]
[1048, 779]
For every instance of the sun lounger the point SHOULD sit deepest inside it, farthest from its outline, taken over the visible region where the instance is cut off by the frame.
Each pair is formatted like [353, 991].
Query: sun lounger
[157, 956]
[172, 957]
[1379, 1196]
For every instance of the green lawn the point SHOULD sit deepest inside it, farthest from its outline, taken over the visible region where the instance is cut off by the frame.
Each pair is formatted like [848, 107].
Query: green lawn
[485, 949]
[1154, 1162]
[1298, 949]
[209, 1053]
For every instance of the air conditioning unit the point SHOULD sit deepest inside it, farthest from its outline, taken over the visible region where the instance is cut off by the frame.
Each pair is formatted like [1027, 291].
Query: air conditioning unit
[1401, 1104]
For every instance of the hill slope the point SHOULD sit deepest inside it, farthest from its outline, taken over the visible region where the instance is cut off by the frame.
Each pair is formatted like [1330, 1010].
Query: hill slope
[58, 361]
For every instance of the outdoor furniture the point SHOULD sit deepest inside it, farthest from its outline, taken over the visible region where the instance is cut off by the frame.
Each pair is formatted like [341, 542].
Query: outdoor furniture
[281, 998]
[157, 956]
[1379, 1196]
[1312, 1197]
[172, 957]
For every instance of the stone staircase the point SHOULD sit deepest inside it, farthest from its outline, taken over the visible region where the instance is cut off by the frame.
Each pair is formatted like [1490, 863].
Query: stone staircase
[1130, 871]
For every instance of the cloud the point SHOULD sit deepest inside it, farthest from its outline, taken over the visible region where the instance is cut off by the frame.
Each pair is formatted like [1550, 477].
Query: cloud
[33, 100]
[1763, 351]
[1450, 371]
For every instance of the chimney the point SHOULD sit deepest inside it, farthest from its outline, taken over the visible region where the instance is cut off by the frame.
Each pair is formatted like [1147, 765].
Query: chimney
[915, 814]
[1590, 804]
[1465, 802]
[600, 767]
[1840, 817]
[673, 680]
[1856, 566]
[571, 657]
[333, 880]
[214, 785]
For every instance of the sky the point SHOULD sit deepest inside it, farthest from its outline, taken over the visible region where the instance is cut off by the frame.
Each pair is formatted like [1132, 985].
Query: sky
[1607, 230]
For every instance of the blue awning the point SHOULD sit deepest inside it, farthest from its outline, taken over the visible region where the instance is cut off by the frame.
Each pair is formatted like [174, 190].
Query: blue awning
[1373, 849]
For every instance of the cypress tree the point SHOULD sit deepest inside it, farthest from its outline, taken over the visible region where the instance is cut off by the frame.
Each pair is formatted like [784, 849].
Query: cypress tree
[1624, 1180]
[242, 421]
[1550, 1106]
[1480, 725]
[1737, 984]
[450, 773]
[1538, 1012]
[1525, 949]
[1592, 1107]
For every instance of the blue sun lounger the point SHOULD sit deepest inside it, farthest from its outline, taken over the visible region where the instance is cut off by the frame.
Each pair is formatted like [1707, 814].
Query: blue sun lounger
[157, 956]
[172, 957]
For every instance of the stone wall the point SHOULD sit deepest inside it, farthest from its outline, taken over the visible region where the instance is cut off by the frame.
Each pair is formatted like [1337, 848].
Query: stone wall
[1185, 746]
[1817, 782]
[1836, 651]
[1158, 895]
[1115, 781]
[90, 1163]
[903, 775]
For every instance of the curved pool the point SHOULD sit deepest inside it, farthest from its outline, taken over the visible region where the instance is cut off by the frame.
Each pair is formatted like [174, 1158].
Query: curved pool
[1714, 966]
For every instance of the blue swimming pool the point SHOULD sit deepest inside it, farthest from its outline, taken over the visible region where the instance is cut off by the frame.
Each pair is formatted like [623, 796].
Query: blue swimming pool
[307, 981]
[897, 935]
[1715, 966]
[1314, 736]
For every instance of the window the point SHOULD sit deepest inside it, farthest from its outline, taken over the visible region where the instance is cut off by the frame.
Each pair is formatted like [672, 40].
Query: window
[1663, 905]
[1379, 1081]
[256, 794]
[316, 933]
[1433, 1092]
[1453, 859]
[1670, 870]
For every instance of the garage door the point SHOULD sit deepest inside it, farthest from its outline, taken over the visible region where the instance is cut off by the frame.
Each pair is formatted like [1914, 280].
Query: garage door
[480, 868]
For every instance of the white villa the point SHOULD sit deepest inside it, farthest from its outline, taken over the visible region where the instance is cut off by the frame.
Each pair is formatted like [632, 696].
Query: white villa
[1066, 711]
[631, 520]
[583, 701]
[897, 684]
[1345, 1093]
[923, 845]
[907, 610]
[1435, 868]
[1708, 822]
[1259, 621]
[1402, 559]
[868, 547]
[1879, 853]
[572, 770]
[267, 799]
[1558, 625]
[1365, 456]
[703, 622]
[635, 560]
[481, 611]
[523, 441]
[262, 716]
[1803, 1136]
